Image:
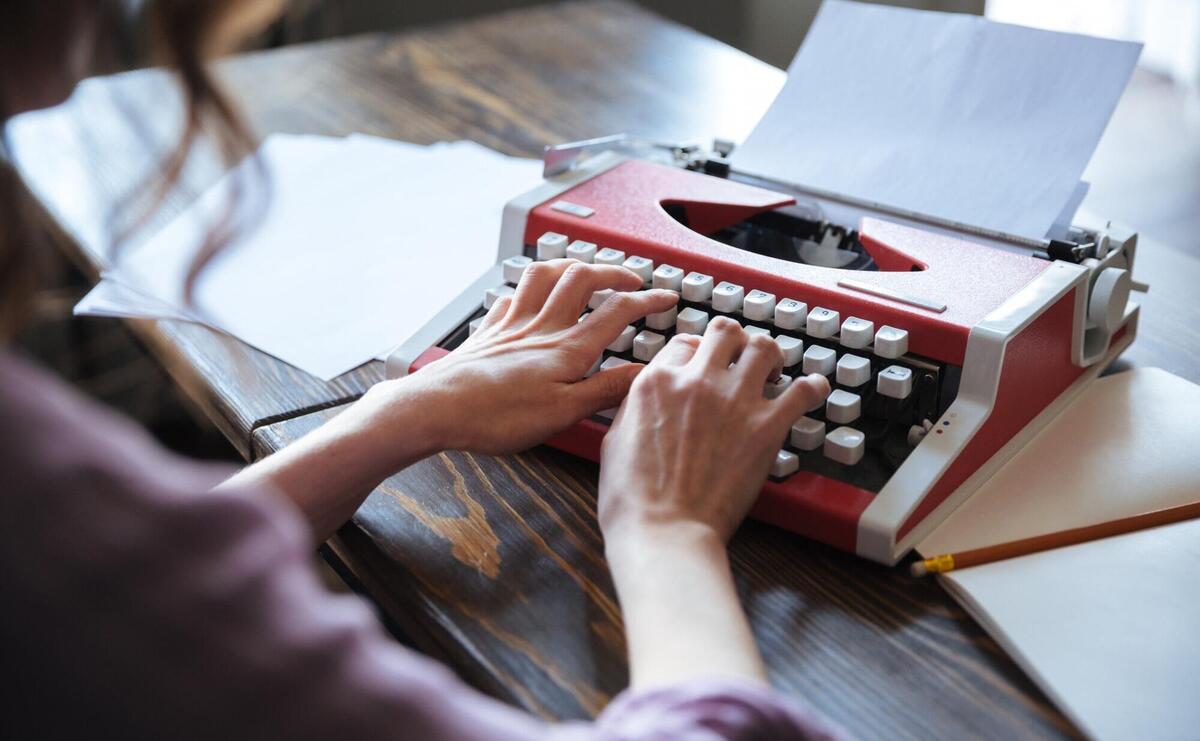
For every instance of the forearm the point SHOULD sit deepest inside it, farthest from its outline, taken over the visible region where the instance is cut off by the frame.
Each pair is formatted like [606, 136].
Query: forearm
[683, 618]
[330, 471]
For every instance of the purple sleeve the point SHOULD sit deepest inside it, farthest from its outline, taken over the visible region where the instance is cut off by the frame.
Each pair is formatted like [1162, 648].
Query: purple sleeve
[137, 604]
[711, 709]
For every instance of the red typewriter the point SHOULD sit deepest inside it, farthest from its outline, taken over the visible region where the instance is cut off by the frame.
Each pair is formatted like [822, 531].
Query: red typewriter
[947, 348]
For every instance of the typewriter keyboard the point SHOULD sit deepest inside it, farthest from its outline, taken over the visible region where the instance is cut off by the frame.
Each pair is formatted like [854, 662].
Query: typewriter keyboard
[882, 396]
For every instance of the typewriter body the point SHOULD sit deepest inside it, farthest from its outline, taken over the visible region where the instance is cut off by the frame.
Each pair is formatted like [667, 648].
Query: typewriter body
[947, 348]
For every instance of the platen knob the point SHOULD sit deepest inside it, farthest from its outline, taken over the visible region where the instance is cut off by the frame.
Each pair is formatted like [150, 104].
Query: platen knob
[1110, 293]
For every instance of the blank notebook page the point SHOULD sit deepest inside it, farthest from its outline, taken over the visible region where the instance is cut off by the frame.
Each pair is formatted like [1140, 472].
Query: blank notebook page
[1110, 630]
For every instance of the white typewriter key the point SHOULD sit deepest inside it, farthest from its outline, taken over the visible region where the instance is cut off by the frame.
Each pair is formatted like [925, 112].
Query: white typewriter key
[791, 314]
[609, 256]
[819, 359]
[599, 297]
[728, 297]
[772, 389]
[491, 294]
[822, 322]
[613, 362]
[845, 445]
[663, 319]
[785, 464]
[792, 348]
[697, 287]
[757, 330]
[808, 433]
[595, 367]
[691, 321]
[759, 306]
[514, 268]
[473, 327]
[857, 333]
[843, 406]
[640, 265]
[551, 246]
[891, 342]
[647, 344]
[624, 341]
[894, 381]
[668, 277]
[853, 370]
[581, 251]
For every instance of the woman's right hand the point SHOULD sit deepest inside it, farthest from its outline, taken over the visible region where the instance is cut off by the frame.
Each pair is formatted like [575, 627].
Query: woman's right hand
[695, 437]
[680, 468]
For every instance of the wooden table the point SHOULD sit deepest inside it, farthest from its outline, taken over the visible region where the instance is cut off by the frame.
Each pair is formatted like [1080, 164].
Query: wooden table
[495, 564]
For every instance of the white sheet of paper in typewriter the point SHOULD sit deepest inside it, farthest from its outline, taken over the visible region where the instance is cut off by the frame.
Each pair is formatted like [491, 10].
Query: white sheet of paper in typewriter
[944, 114]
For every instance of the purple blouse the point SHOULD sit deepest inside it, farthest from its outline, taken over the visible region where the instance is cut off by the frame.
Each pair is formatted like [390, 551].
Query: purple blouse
[138, 604]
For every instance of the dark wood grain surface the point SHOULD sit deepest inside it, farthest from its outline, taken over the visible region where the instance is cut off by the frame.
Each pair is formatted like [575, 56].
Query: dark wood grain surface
[495, 564]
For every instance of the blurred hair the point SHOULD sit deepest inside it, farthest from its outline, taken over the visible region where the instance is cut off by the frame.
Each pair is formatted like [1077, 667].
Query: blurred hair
[48, 44]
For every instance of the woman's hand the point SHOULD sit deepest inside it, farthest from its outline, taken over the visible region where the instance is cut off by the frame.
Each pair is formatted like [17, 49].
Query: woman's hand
[695, 438]
[680, 468]
[515, 382]
[520, 378]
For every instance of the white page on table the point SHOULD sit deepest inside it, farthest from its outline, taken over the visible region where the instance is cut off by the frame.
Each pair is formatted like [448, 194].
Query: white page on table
[944, 114]
[351, 257]
[114, 297]
[105, 141]
[1126, 446]
[110, 298]
[1107, 629]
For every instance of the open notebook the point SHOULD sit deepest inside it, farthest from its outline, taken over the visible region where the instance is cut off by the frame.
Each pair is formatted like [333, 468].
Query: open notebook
[1110, 630]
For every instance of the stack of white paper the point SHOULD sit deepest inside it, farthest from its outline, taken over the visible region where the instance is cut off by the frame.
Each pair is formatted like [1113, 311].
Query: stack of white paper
[363, 240]
[100, 146]
[946, 115]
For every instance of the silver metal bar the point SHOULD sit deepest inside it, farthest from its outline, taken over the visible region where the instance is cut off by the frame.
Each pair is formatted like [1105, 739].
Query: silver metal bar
[559, 158]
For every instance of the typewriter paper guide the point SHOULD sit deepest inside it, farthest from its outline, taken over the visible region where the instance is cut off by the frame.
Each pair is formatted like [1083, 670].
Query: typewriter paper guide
[948, 115]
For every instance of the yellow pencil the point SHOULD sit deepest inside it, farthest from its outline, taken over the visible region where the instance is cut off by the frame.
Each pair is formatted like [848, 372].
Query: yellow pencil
[1025, 546]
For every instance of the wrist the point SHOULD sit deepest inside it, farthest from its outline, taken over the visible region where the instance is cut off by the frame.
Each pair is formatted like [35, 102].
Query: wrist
[661, 574]
[401, 420]
[634, 545]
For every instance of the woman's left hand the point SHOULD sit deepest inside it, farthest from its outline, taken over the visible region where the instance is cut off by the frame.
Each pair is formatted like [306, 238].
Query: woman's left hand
[520, 378]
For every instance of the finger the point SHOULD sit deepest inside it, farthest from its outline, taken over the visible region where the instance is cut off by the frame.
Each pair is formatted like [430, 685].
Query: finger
[618, 311]
[603, 390]
[760, 361]
[496, 314]
[802, 396]
[534, 288]
[576, 286]
[722, 343]
[679, 350]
